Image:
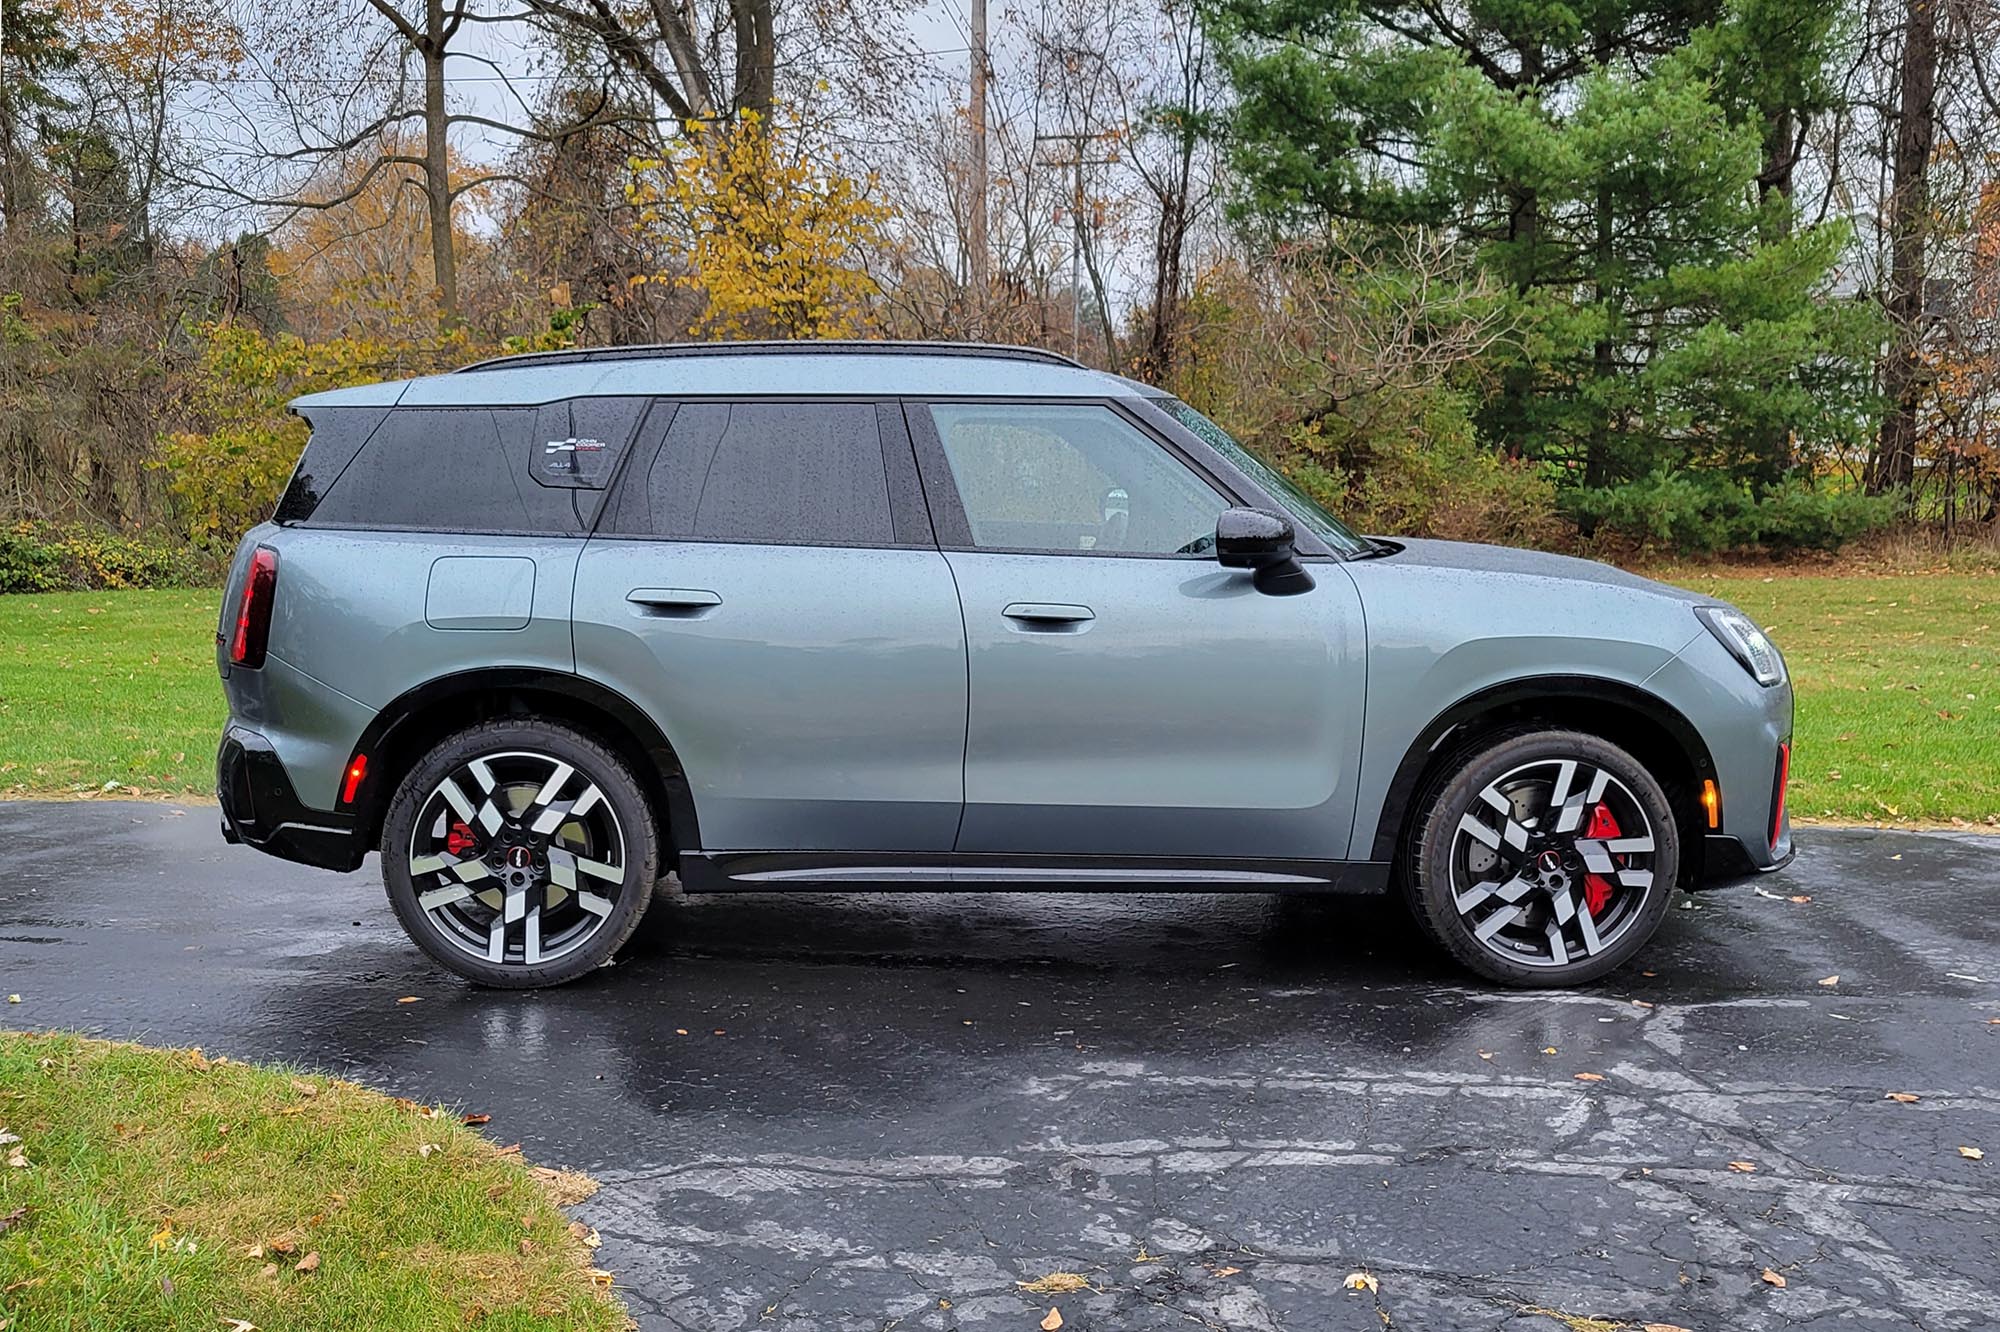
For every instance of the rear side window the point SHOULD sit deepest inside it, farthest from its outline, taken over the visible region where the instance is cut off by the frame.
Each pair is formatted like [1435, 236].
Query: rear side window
[449, 470]
[538, 470]
[337, 435]
[784, 473]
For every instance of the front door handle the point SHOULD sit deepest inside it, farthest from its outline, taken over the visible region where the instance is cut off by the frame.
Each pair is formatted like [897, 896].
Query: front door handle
[681, 602]
[1048, 614]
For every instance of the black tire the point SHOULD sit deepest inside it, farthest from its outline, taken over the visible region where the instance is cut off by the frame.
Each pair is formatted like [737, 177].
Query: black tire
[1525, 884]
[577, 852]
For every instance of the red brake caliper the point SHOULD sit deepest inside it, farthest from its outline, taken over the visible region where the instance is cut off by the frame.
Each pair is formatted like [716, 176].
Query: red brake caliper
[1597, 888]
[460, 840]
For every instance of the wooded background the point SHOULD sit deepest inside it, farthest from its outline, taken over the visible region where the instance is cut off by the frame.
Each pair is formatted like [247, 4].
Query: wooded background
[1687, 275]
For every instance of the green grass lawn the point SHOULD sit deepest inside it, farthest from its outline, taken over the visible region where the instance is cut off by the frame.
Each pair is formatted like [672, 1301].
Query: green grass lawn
[162, 1189]
[100, 687]
[1898, 680]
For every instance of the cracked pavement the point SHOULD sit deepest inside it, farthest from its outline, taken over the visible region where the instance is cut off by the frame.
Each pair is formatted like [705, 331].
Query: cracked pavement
[889, 1110]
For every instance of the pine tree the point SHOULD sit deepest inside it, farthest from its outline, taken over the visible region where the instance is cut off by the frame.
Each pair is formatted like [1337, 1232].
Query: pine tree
[1623, 166]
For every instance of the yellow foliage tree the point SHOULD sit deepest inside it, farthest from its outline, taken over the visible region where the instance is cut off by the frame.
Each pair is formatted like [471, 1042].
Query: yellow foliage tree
[227, 476]
[776, 241]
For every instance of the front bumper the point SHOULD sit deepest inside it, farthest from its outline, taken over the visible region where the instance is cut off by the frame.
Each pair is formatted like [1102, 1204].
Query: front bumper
[1726, 861]
[260, 808]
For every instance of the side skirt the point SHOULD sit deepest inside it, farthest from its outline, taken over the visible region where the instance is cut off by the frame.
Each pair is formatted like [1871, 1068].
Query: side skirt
[935, 871]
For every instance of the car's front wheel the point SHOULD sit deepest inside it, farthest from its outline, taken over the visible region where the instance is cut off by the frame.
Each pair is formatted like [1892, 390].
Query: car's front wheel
[1543, 858]
[520, 853]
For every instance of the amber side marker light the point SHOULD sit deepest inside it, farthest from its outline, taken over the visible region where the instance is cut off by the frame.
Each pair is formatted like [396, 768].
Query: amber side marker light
[1711, 803]
[355, 772]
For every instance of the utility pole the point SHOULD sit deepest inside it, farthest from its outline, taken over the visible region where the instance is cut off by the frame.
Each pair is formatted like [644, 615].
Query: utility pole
[975, 231]
[1077, 140]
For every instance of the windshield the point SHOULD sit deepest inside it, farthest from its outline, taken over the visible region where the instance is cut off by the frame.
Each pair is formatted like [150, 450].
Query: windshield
[1303, 507]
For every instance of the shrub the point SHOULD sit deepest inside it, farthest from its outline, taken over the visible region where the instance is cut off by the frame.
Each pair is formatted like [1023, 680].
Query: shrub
[1702, 514]
[36, 559]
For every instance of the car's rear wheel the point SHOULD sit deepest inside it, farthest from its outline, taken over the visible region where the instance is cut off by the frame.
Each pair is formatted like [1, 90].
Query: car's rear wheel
[1543, 858]
[520, 853]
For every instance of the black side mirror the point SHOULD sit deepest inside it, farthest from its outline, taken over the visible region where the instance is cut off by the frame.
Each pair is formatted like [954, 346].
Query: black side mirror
[1262, 542]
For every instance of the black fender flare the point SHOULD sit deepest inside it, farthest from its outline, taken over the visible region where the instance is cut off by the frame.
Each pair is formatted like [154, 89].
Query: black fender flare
[396, 727]
[1521, 696]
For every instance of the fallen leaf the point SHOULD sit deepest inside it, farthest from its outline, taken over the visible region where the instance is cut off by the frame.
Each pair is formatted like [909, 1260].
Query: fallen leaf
[239, 1325]
[281, 1246]
[1774, 1279]
[12, 1219]
[1661, 1327]
[425, 1149]
[1589, 1077]
[600, 1276]
[1972, 1153]
[1485, 1054]
[254, 1251]
[1800, 898]
[527, 1246]
[304, 1088]
[1227, 1271]
[1906, 1098]
[1548, 1049]
[18, 1159]
[13, 998]
[270, 1270]
[1055, 1283]
[1362, 1281]
[1743, 1167]
[410, 999]
[476, 1119]
[162, 1236]
[309, 1263]
[1640, 1003]
[1051, 1320]
[1832, 980]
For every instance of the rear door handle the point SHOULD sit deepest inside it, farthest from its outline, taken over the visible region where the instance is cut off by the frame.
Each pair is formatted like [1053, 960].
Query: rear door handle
[1047, 613]
[673, 601]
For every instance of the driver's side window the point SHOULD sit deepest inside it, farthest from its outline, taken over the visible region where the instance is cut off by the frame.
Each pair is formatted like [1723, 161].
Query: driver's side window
[1071, 478]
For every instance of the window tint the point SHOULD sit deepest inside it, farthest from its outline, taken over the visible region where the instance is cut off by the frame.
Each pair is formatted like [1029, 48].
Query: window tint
[337, 435]
[781, 472]
[1056, 477]
[449, 469]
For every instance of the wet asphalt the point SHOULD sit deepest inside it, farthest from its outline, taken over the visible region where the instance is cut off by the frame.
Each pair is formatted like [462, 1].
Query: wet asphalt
[888, 1110]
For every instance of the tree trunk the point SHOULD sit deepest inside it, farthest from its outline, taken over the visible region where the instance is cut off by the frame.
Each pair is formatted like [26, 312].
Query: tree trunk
[10, 182]
[437, 165]
[1895, 461]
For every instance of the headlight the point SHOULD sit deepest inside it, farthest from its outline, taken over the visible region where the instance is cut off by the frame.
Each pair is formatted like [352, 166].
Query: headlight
[1745, 641]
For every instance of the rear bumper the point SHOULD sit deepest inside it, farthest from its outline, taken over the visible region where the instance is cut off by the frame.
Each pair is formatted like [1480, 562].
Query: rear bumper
[260, 808]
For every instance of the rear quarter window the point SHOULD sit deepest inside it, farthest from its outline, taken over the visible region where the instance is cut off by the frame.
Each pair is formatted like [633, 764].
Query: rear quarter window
[539, 470]
[337, 435]
[448, 469]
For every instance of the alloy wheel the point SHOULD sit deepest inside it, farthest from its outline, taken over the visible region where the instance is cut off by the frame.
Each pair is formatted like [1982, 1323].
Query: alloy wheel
[1553, 863]
[517, 858]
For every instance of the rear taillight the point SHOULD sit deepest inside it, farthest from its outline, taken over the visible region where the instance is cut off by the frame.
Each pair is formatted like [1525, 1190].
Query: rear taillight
[253, 613]
[1778, 795]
